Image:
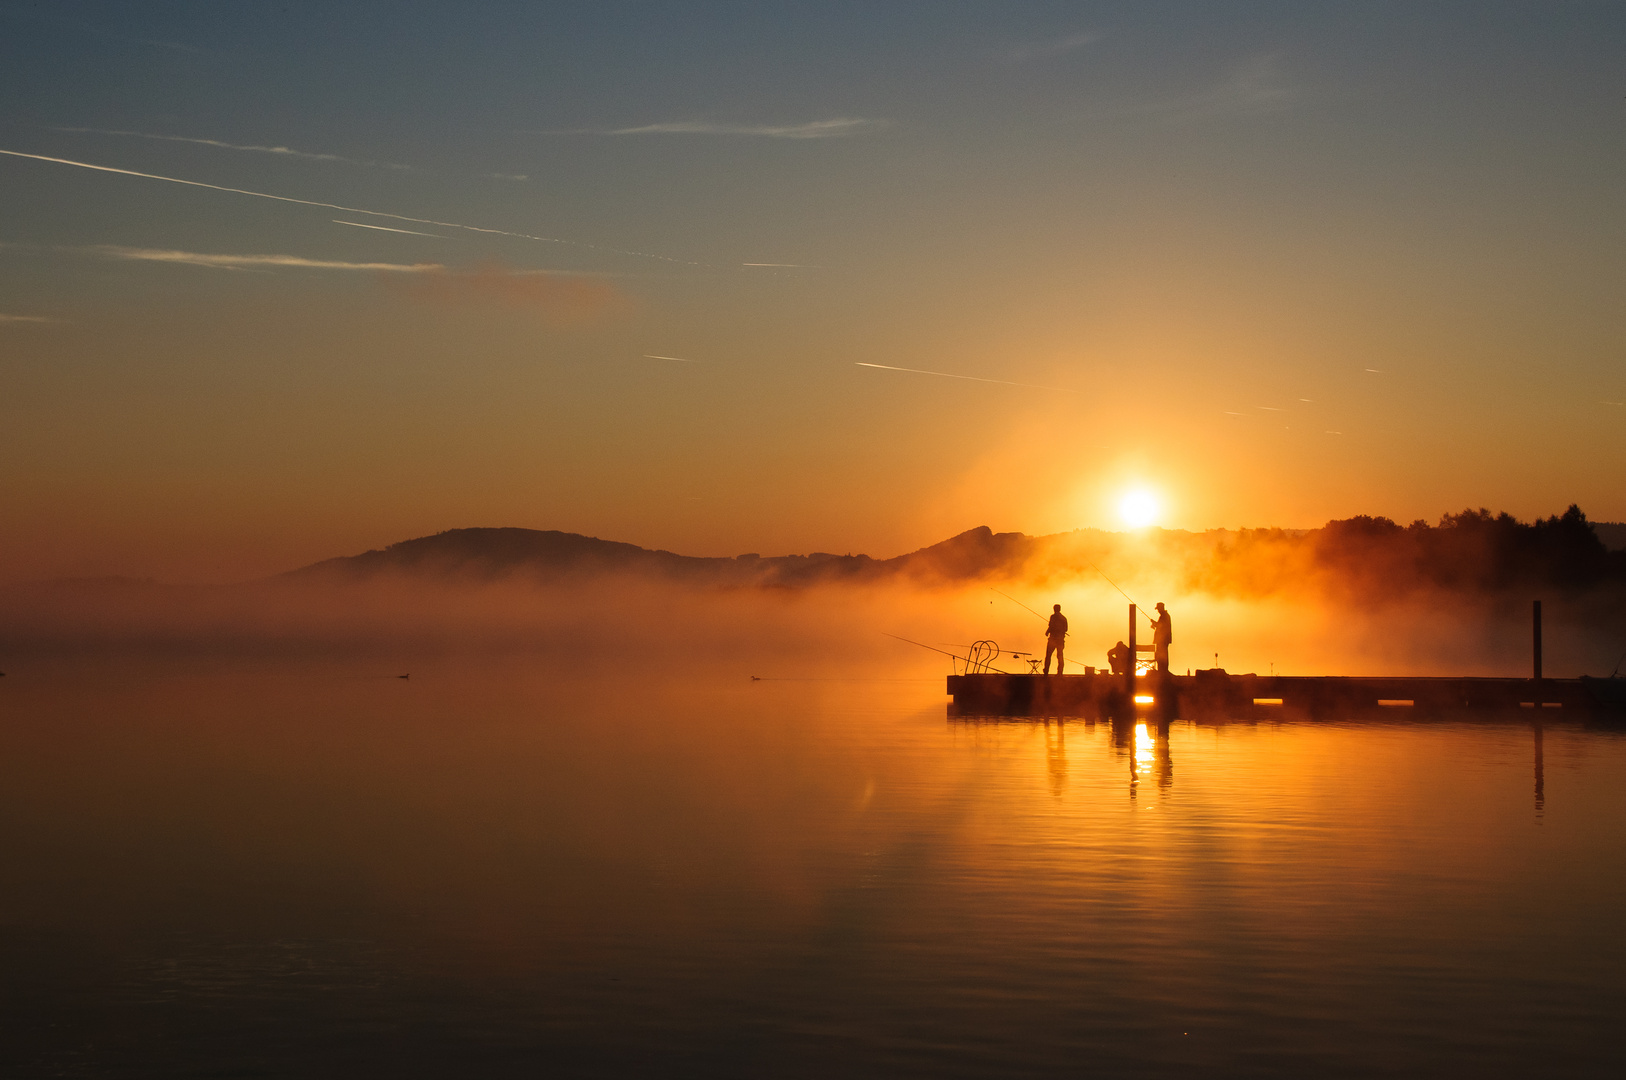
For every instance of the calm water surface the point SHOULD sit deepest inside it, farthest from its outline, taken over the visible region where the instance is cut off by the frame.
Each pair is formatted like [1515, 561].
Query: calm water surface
[491, 870]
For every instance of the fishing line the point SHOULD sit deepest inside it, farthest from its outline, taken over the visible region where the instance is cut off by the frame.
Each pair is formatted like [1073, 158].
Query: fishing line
[1123, 594]
[1014, 652]
[1103, 573]
[1017, 602]
[957, 656]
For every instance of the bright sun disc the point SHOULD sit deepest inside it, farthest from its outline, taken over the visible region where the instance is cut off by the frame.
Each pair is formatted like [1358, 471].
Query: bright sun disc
[1138, 508]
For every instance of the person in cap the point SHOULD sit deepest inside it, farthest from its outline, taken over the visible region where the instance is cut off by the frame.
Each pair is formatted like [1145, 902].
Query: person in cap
[1162, 637]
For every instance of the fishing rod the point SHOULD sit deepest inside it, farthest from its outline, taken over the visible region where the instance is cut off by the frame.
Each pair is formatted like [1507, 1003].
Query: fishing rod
[1015, 653]
[1123, 594]
[957, 656]
[1017, 602]
[1098, 570]
[1114, 584]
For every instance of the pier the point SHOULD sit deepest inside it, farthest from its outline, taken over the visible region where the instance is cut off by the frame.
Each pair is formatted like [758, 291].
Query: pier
[1219, 693]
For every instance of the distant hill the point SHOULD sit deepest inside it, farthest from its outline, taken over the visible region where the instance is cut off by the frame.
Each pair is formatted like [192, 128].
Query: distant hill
[1356, 557]
[1473, 551]
[489, 554]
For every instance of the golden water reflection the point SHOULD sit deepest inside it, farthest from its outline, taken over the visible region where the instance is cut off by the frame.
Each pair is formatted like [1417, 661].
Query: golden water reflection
[1144, 747]
[1150, 756]
[515, 868]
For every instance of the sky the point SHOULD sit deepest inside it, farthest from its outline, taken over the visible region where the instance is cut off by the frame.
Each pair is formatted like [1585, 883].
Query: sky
[283, 281]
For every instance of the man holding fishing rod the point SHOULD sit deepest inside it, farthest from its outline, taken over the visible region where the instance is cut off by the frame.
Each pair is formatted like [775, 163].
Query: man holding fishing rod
[1162, 638]
[1055, 640]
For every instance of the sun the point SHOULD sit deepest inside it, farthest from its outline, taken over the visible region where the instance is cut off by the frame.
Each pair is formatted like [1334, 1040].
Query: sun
[1139, 508]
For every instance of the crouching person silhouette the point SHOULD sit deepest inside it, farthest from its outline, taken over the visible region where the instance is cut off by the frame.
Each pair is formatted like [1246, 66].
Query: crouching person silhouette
[1120, 658]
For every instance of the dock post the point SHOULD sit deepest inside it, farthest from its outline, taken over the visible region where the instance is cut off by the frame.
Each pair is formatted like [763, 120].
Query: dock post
[1129, 676]
[1535, 629]
[1535, 641]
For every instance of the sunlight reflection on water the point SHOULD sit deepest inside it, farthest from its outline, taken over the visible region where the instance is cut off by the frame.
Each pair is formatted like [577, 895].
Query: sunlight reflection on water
[494, 869]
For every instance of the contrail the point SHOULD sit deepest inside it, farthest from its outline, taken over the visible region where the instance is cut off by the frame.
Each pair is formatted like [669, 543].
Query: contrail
[817, 129]
[345, 209]
[282, 150]
[972, 378]
[386, 228]
[239, 262]
[679, 359]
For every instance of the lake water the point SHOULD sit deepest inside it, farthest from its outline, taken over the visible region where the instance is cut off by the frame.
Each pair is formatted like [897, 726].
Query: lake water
[490, 870]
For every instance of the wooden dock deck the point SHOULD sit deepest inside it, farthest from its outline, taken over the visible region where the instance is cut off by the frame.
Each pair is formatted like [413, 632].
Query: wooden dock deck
[1218, 693]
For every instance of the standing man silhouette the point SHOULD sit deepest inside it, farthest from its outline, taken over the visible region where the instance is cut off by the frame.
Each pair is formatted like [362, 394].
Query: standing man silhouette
[1055, 640]
[1162, 637]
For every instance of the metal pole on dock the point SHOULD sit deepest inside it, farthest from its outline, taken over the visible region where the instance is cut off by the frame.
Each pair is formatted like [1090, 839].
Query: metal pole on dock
[1129, 676]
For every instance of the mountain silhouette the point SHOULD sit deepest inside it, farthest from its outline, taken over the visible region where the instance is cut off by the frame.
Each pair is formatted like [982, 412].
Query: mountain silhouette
[1474, 551]
[485, 554]
[1471, 551]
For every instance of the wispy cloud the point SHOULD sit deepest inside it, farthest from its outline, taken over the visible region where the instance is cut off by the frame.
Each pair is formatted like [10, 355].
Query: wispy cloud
[1256, 84]
[1041, 50]
[347, 209]
[386, 228]
[506, 176]
[254, 262]
[279, 150]
[970, 378]
[4, 318]
[559, 296]
[836, 128]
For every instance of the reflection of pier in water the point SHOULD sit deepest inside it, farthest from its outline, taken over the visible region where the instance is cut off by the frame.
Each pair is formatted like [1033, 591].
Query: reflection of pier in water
[1144, 742]
[1150, 756]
